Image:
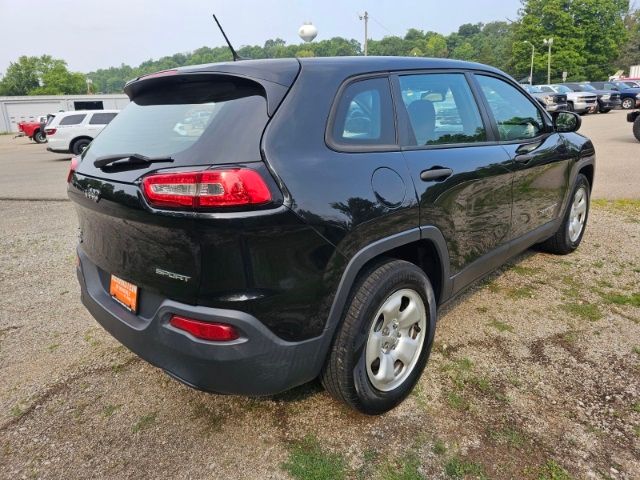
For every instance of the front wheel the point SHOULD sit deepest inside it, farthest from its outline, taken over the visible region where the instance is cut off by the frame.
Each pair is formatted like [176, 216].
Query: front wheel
[385, 338]
[39, 137]
[570, 233]
[628, 103]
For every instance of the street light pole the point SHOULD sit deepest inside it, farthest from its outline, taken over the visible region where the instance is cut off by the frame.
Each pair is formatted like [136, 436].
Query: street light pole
[533, 53]
[365, 17]
[548, 42]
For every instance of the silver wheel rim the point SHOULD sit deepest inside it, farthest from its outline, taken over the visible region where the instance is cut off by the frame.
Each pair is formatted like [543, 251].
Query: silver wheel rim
[578, 214]
[395, 339]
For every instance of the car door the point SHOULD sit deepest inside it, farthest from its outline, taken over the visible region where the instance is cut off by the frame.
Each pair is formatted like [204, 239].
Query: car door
[460, 171]
[539, 157]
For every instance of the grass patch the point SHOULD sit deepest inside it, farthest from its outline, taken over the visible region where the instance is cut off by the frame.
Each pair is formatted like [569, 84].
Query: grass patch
[16, 411]
[636, 407]
[405, 469]
[53, 347]
[457, 401]
[636, 430]
[520, 293]
[500, 326]
[508, 435]
[459, 468]
[109, 410]
[552, 471]
[145, 422]
[524, 271]
[482, 309]
[309, 461]
[622, 204]
[439, 448]
[636, 350]
[621, 299]
[586, 311]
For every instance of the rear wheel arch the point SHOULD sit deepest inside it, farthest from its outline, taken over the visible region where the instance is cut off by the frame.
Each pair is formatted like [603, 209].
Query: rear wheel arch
[425, 247]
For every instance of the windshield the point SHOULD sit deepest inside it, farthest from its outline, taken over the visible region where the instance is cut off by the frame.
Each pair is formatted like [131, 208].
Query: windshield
[587, 88]
[562, 89]
[532, 89]
[195, 122]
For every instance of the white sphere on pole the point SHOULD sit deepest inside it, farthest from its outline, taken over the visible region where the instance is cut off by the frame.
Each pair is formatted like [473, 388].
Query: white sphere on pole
[308, 31]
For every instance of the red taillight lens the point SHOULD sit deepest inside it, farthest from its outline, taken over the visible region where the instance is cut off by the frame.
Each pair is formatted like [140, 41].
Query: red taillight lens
[208, 189]
[50, 131]
[73, 166]
[212, 331]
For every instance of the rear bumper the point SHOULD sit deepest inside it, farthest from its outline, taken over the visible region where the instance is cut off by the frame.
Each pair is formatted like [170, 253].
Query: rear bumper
[258, 363]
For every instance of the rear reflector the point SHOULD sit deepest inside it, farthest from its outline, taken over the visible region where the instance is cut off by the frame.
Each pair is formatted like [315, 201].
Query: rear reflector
[215, 332]
[208, 189]
[50, 131]
[73, 166]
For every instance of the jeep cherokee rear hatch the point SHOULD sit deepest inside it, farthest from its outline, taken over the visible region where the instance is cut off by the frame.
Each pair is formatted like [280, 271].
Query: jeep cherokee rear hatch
[188, 144]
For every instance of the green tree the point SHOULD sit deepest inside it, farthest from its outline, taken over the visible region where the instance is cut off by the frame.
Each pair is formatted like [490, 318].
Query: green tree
[40, 76]
[630, 51]
[21, 77]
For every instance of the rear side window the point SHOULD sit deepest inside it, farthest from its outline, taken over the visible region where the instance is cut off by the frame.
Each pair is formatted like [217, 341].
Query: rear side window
[101, 118]
[364, 115]
[196, 122]
[72, 120]
[441, 110]
[517, 117]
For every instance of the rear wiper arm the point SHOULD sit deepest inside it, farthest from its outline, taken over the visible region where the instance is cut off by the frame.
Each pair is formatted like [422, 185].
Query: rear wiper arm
[131, 159]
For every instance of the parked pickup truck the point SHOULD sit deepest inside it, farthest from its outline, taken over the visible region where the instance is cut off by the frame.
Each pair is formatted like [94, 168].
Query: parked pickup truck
[579, 102]
[552, 102]
[33, 129]
[634, 117]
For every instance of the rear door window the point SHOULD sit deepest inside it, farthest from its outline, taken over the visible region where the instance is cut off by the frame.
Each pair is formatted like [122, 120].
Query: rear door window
[364, 118]
[441, 110]
[72, 119]
[101, 118]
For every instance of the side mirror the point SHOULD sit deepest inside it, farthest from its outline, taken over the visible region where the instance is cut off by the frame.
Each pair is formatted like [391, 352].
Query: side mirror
[564, 122]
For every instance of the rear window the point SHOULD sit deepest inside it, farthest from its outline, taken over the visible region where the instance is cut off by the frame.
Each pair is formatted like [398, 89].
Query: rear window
[72, 120]
[101, 118]
[197, 122]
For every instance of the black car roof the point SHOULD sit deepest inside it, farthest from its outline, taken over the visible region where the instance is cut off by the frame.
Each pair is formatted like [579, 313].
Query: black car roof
[284, 70]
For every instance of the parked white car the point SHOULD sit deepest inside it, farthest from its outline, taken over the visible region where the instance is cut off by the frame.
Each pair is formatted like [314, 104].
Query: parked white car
[71, 132]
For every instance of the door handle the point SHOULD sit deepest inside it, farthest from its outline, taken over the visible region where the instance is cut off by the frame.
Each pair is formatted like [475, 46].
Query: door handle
[436, 174]
[523, 158]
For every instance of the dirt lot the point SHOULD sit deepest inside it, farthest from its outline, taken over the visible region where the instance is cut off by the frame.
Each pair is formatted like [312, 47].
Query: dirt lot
[535, 374]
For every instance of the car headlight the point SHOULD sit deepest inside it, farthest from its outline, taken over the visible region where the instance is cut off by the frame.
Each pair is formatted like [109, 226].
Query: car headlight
[606, 97]
[548, 100]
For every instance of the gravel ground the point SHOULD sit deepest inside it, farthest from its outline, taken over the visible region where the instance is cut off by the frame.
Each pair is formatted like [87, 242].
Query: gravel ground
[535, 374]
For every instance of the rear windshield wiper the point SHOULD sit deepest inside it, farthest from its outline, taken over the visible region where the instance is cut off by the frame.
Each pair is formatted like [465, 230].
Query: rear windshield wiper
[131, 158]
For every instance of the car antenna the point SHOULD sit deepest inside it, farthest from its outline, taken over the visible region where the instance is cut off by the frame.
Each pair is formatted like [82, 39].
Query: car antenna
[236, 57]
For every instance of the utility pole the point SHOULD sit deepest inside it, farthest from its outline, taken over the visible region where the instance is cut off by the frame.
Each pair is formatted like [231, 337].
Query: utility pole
[533, 53]
[365, 17]
[548, 42]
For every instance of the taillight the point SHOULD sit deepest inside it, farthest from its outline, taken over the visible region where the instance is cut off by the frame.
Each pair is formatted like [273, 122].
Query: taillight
[212, 331]
[50, 131]
[73, 166]
[208, 189]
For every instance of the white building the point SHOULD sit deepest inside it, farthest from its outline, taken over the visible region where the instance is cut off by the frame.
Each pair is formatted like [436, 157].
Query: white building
[18, 109]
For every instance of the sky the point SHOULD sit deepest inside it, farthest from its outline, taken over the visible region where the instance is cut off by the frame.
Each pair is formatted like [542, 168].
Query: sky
[92, 34]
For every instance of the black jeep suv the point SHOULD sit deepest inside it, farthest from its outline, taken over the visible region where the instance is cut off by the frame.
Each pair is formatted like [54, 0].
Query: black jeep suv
[250, 226]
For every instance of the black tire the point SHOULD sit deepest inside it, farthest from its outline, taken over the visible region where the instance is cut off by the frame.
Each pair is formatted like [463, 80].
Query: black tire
[561, 243]
[570, 107]
[345, 374]
[605, 110]
[628, 103]
[79, 146]
[39, 137]
[636, 128]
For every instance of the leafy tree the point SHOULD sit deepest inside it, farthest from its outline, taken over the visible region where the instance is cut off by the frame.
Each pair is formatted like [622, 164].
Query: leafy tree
[630, 50]
[40, 76]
